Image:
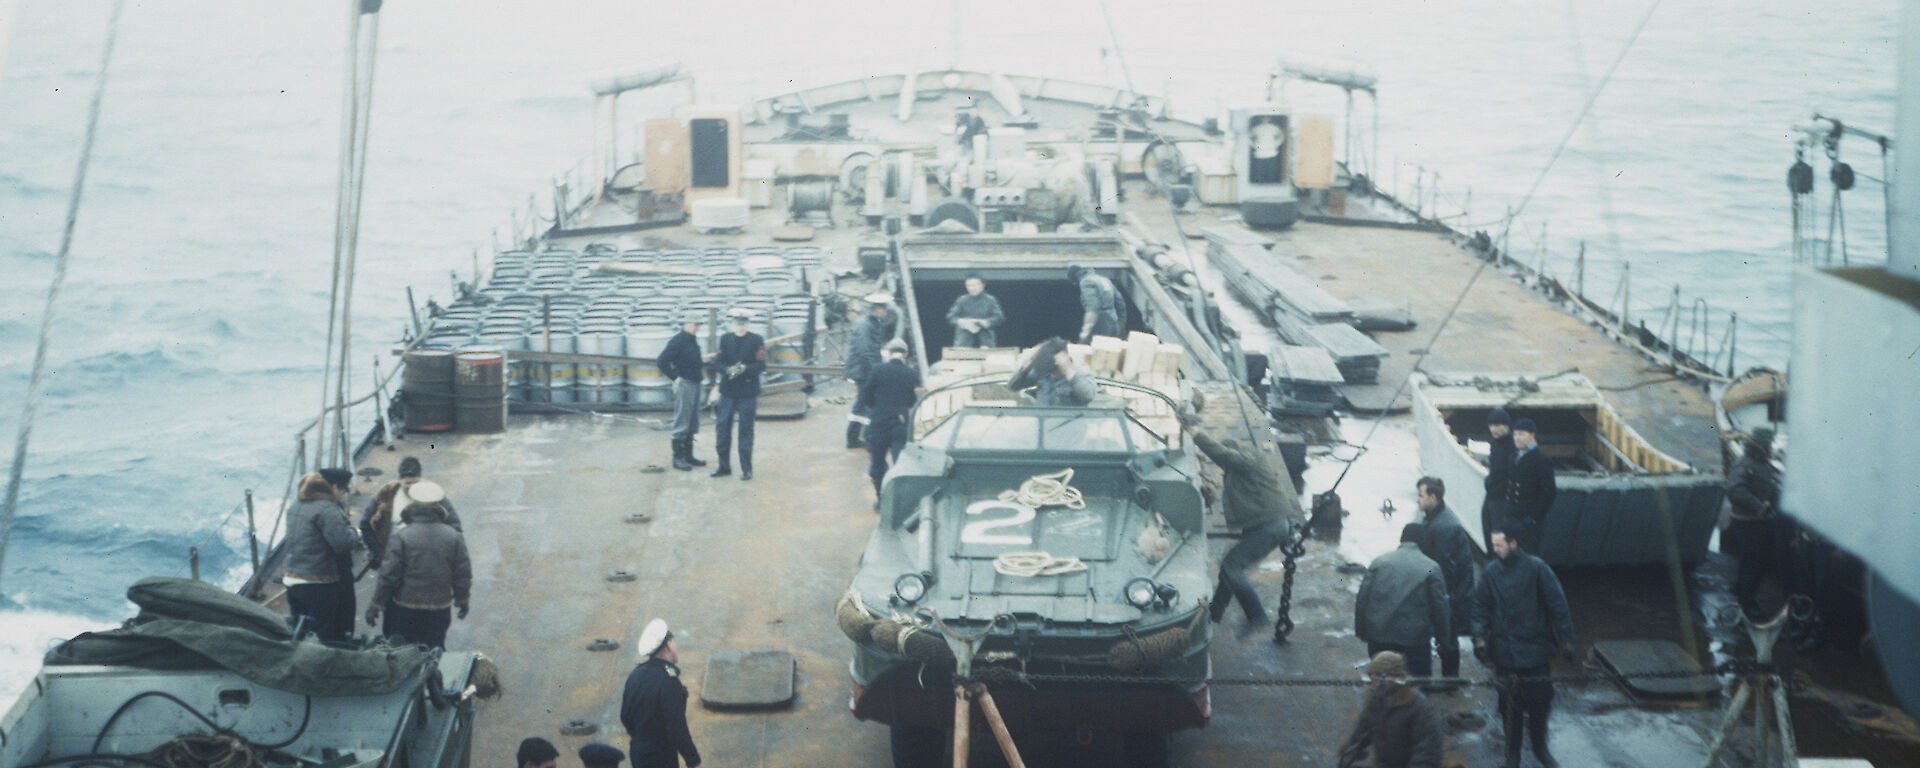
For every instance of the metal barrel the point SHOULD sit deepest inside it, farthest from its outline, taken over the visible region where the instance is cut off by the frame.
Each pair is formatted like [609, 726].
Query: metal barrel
[480, 389]
[600, 382]
[560, 380]
[427, 386]
[644, 384]
[787, 321]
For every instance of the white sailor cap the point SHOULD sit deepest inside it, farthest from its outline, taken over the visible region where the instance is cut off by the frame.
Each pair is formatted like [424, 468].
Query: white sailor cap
[880, 298]
[694, 316]
[740, 315]
[652, 638]
[423, 492]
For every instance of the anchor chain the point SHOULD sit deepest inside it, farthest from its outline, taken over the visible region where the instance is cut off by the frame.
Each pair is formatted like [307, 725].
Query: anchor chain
[1295, 547]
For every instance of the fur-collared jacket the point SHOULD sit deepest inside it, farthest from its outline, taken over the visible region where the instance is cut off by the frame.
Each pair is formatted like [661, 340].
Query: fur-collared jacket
[319, 540]
[427, 566]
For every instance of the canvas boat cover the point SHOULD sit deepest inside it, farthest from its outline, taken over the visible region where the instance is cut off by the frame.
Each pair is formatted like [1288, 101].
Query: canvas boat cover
[186, 624]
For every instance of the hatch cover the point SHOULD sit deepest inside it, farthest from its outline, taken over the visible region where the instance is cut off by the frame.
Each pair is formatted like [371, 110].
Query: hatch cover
[1639, 657]
[748, 680]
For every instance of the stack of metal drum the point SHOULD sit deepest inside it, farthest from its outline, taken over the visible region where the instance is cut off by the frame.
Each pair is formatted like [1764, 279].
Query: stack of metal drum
[557, 301]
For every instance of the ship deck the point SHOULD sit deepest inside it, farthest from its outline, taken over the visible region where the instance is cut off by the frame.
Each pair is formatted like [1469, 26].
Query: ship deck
[738, 565]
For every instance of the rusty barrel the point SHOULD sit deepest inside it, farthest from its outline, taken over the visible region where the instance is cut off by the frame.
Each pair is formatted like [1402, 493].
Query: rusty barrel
[427, 389]
[480, 389]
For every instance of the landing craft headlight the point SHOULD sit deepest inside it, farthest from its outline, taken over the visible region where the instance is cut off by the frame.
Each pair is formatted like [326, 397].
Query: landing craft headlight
[1141, 593]
[910, 587]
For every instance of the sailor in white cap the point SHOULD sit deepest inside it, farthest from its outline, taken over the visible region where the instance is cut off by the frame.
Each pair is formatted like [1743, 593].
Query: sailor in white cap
[739, 362]
[863, 355]
[428, 575]
[681, 363]
[654, 705]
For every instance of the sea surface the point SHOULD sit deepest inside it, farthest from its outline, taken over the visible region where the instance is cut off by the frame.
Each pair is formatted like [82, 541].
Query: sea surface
[189, 336]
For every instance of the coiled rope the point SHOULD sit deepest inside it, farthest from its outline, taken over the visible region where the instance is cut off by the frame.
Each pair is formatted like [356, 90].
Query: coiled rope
[1032, 564]
[1047, 491]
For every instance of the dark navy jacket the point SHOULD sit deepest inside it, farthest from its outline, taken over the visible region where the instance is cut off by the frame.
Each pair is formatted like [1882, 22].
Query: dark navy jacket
[1520, 610]
[749, 350]
[890, 390]
[1448, 544]
[654, 710]
[681, 358]
[1531, 486]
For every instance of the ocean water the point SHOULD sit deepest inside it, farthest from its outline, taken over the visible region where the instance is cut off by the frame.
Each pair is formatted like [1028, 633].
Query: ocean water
[191, 329]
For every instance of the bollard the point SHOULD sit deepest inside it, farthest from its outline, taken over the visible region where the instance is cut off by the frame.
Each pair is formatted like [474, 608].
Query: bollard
[193, 562]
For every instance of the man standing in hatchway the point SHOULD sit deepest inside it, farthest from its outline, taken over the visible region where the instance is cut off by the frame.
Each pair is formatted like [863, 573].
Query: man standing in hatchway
[654, 705]
[742, 356]
[869, 336]
[1402, 603]
[890, 392]
[1447, 543]
[1251, 500]
[1520, 619]
[1531, 487]
[974, 315]
[681, 363]
[1493, 507]
[1101, 309]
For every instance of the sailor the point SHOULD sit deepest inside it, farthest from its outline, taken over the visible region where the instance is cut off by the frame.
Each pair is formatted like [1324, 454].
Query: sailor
[975, 314]
[863, 354]
[376, 522]
[1397, 723]
[429, 575]
[1447, 543]
[1493, 506]
[1753, 488]
[739, 362]
[680, 362]
[654, 705]
[1049, 369]
[1520, 619]
[1101, 308]
[1530, 485]
[890, 392]
[597, 755]
[536, 752]
[1251, 499]
[1402, 603]
[319, 562]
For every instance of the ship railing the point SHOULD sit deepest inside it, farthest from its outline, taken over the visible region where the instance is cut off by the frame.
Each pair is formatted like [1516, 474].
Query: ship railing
[1706, 349]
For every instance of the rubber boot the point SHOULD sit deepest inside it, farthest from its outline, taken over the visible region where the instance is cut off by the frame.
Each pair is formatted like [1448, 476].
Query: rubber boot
[853, 435]
[689, 449]
[1537, 735]
[680, 451]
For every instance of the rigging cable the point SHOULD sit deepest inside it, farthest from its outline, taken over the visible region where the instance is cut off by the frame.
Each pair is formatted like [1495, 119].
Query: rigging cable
[1566, 139]
[1118, 54]
[352, 174]
[59, 277]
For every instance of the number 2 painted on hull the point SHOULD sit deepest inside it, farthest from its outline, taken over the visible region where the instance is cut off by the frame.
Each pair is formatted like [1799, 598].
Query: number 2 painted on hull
[977, 531]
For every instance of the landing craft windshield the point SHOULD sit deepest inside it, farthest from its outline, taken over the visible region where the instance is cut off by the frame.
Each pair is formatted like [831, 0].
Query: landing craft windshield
[1092, 431]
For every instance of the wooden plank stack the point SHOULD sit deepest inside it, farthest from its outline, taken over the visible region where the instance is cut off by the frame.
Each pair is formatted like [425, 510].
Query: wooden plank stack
[1303, 313]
